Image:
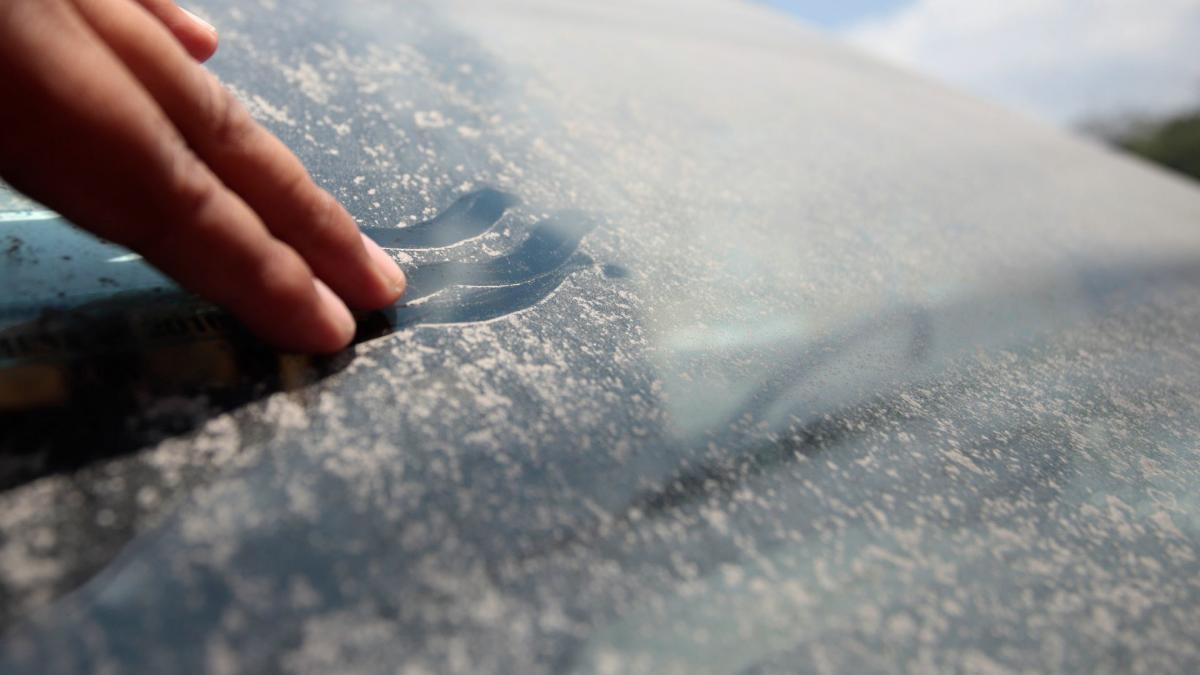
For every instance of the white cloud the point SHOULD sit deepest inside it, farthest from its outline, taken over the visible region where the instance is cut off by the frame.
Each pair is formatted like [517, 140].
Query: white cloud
[1061, 59]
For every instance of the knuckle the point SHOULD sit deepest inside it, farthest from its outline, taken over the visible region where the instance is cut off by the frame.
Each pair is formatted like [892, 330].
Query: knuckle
[193, 186]
[229, 123]
[283, 277]
[191, 191]
[331, 223]
[329, 228]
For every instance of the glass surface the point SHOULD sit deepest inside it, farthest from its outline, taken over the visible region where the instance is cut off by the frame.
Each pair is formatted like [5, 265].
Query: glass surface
[728, 351]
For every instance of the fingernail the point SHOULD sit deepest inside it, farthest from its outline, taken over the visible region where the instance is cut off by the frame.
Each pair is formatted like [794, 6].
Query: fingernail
[200, 21]
[388, 267]
[336, 312]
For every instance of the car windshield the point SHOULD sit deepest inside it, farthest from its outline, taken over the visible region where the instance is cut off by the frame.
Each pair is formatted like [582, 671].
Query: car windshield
[726, 349]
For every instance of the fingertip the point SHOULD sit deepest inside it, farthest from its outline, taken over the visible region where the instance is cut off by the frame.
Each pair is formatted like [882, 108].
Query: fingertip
[336, 323]
[200, 38]
[203, 50]
[387, 267]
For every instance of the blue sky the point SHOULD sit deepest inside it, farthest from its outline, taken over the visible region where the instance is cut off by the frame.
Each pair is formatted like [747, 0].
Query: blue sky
[1061, 60]
[833, 14]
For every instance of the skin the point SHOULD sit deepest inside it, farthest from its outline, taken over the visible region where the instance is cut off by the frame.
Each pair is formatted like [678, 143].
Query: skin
[110, 119]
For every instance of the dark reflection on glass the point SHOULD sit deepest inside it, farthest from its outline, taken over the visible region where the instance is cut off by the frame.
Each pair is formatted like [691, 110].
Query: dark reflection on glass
[76, 382]
[549, 246]
[80, 386]
[470, 305]
[470, 216]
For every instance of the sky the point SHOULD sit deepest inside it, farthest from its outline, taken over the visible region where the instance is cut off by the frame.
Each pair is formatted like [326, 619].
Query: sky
[1066, 61]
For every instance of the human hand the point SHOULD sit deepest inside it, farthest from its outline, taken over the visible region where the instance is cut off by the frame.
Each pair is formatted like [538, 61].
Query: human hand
[107, 117]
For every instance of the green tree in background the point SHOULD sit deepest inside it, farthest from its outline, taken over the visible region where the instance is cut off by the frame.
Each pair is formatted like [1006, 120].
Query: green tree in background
[1173, 142]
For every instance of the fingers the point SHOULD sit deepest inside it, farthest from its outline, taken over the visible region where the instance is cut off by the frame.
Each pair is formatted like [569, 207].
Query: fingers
[93, 144]
[248, 159]
[196, 35]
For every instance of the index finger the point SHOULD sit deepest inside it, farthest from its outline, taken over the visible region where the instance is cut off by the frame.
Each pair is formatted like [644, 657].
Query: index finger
[248, 159]
[96, 147]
